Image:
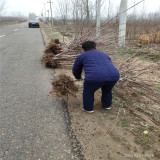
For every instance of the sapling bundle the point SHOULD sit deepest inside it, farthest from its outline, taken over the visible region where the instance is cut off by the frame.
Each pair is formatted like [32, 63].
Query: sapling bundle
[49, 61]
[64, 86]
[53, 47]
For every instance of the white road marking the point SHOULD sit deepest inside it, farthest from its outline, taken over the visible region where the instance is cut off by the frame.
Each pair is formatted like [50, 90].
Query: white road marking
[2, 36]
[5, 35]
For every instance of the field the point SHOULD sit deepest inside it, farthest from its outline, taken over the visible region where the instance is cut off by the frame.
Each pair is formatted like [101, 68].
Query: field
[131, 129]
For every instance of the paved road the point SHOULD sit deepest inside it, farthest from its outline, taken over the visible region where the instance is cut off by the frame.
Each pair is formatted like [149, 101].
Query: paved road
[32, 124]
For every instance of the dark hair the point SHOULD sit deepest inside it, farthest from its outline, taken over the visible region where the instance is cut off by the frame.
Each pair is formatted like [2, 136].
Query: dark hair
[88, 45]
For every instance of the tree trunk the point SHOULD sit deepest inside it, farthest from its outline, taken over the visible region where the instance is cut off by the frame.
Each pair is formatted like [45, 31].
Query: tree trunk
[122, 23]
[98, 10]
[87, 10]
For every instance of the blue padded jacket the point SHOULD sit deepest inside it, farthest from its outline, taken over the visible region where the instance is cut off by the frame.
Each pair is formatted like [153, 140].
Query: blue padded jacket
[97, 65]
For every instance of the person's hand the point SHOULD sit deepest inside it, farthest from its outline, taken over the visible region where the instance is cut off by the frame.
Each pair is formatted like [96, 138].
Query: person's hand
[80, 79]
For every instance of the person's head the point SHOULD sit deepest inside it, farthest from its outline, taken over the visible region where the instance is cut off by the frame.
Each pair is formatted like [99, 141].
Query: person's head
[88, 45]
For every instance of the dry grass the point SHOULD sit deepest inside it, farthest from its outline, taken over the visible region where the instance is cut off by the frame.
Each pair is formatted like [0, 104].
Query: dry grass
[157, 40]
[152, 37]
[143, 39]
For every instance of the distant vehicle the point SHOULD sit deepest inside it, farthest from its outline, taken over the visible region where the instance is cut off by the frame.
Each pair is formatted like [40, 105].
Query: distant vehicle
[33, 23]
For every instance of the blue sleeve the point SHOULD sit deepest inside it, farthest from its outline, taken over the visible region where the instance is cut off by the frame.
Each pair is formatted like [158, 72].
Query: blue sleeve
[77, 68]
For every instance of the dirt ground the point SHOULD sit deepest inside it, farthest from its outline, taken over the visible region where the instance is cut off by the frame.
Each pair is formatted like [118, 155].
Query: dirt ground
[129, 130]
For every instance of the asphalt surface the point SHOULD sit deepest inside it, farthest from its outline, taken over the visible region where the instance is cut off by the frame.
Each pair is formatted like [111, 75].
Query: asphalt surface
[32, 125]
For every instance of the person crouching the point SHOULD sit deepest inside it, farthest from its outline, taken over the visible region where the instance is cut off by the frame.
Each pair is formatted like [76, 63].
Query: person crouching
[99, 73]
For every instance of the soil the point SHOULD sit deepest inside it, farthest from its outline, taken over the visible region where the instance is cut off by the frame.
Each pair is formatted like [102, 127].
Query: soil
[103, 134]
[129, 130]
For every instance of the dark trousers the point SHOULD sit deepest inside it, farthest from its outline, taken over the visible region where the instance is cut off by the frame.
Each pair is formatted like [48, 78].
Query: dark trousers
[91, 87]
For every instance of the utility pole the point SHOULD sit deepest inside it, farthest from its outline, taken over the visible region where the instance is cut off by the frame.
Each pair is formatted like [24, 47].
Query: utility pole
[51, 12]
[48, 15]
[122, 23]
[42, 14]
[45, 10]
[109, 9]
[98, 21]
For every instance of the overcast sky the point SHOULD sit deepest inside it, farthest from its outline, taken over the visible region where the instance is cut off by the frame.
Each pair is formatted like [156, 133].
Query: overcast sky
[36, 6]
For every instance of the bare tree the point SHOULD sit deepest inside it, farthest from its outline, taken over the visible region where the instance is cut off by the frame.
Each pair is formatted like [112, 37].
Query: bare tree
[64, 13]
[83, 12]
[2, 7]
[13, 17]
[86, 8]
[122, 23]
[98, 10]
[109, 3]
[64, 10]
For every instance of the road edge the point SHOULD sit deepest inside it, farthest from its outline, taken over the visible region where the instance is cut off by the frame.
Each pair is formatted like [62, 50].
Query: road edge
[75, 144]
